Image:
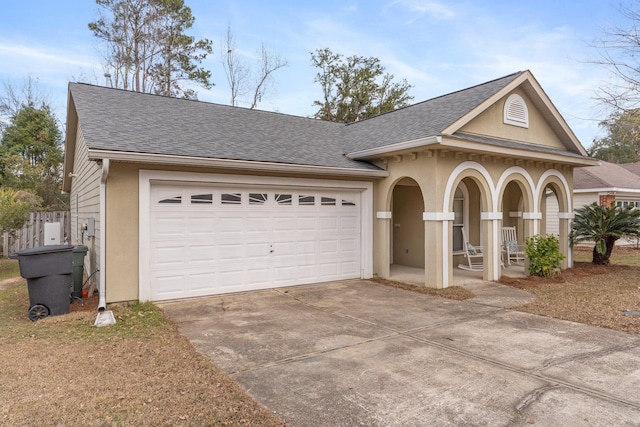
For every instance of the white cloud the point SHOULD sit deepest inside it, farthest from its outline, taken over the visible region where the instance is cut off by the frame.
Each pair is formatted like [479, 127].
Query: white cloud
[41, 56]
[434, 9]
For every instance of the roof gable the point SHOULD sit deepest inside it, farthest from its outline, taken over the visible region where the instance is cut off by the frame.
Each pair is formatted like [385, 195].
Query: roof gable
[525, 84]
[422, 120]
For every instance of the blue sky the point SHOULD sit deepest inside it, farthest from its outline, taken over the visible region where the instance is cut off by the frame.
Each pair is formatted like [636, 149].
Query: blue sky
[438, 46]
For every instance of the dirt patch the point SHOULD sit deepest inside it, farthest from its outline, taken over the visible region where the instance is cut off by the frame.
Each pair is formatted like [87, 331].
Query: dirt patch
[4, 284]
[592, 294]
[452, 292]
[140, 372]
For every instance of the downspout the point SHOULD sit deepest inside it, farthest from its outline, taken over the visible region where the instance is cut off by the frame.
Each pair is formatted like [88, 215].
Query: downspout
[102, 303]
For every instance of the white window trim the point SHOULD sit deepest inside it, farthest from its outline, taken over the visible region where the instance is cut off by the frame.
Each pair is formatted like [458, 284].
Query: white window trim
[513, 120]
[147, 177]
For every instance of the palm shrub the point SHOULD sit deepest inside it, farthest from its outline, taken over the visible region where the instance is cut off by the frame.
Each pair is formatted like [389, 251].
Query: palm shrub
[544, 255]
[603, 225]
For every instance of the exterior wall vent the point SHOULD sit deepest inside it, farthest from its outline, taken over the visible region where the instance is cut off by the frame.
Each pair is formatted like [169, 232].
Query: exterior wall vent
[516, 112]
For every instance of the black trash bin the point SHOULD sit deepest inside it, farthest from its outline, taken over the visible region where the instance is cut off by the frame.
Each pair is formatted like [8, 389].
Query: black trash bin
[48, 272]
[79, 253]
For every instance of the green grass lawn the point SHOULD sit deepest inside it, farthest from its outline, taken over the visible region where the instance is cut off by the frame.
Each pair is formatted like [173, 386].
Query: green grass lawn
[9, 268]
[620, 255]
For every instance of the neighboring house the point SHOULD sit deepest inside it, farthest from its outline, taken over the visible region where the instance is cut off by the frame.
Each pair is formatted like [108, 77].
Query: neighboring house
[190, 198]
[607, 183]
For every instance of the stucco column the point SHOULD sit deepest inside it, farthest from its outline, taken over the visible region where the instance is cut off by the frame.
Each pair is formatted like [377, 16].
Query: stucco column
[437, 264]
[491, 224]
[382, 256]
[566, 222]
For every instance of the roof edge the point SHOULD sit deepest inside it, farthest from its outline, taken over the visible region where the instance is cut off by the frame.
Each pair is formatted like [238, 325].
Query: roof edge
[525, 76]
[246, 165]
[405, 145]
[607, 190]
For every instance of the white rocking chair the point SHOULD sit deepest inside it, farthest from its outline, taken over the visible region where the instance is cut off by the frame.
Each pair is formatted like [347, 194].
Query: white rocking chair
[473, 254]
[510, 246]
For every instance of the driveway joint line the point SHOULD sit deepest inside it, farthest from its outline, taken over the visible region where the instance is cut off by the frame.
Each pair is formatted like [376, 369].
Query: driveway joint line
[530, 373]
[304, 356]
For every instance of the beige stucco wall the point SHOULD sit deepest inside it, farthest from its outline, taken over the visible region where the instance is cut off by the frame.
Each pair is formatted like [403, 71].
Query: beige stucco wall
[491, 123]
[408, 245]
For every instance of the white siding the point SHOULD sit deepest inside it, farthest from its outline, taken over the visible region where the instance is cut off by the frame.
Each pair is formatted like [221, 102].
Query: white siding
[552, 220]
[85, 203]
[584, 199]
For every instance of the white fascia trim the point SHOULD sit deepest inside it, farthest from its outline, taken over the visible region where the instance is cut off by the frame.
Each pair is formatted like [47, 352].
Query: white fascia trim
[165, 159]
[383, 214]
[609, 190]
[438, 216]
[406, 145]
[148, 177]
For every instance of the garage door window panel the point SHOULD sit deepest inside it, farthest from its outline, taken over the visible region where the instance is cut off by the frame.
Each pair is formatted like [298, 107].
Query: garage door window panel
[202, 199]
[173, 200]
[231, 198]
[257, 198]
[304, 200]
[284, 199]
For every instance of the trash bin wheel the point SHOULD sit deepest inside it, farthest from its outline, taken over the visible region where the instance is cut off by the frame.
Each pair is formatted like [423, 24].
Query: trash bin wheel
[38, 312]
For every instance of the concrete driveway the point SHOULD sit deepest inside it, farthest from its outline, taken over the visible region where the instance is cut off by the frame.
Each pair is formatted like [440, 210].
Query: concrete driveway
[357, 353]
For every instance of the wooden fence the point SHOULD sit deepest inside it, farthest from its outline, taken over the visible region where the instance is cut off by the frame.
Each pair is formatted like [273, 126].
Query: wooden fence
[31, 235]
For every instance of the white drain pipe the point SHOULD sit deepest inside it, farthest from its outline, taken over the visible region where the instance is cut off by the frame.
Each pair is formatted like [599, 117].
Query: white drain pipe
[102, 303]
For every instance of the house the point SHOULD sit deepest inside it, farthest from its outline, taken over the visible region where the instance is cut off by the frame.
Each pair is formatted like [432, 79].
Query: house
[179, 198]
[608, 183]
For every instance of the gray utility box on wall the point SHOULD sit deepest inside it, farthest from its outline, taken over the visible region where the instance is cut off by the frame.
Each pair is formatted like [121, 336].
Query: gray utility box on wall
[48, 272]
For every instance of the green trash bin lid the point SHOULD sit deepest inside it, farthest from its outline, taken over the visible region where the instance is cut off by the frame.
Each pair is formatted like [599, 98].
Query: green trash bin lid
[80, 248]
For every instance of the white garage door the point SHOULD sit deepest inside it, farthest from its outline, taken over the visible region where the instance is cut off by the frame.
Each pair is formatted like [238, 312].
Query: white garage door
[207, 240]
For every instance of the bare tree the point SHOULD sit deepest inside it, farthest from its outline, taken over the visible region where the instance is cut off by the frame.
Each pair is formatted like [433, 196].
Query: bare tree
[242, 79]
[237, 73]
[14, 98]
[619, 51]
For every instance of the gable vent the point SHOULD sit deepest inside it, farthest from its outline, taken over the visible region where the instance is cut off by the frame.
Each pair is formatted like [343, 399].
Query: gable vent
[516, 112]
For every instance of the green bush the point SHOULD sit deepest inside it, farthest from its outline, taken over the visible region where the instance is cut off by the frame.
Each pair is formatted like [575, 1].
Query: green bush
[544, 255]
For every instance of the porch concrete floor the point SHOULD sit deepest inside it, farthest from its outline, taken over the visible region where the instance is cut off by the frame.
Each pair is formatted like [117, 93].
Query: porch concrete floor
[415, 276]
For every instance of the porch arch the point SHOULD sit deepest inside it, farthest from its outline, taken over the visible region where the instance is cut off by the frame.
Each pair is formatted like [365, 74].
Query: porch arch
[406, 203]
[516, 190]
[474, 175]
[556, 181]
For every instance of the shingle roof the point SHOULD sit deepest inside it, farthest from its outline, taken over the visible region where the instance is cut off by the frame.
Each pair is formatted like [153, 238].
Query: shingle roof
[119, 120]
[605, 175]
[422, 120]
[632, 167]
